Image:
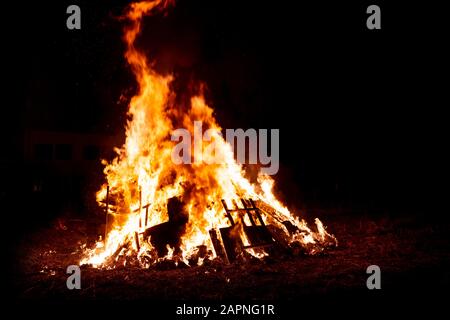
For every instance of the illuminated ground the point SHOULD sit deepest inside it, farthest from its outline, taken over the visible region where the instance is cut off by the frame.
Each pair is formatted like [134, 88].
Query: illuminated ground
[412, 253]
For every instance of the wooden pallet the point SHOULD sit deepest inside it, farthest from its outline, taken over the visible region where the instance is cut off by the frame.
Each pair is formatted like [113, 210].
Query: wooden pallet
[227, 244]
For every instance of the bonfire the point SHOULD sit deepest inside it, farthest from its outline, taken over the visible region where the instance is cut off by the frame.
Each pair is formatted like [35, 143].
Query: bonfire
[157, 209]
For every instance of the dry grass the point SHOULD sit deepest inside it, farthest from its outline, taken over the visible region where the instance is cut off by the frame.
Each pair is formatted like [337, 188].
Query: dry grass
[412, 253]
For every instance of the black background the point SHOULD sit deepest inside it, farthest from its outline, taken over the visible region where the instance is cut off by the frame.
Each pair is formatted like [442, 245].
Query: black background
[361, 112]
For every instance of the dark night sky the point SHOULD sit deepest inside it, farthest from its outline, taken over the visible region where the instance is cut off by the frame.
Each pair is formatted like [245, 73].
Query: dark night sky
[357, 108]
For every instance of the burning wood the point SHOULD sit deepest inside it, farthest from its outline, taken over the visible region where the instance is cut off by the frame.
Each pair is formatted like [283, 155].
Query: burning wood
[168, 234]
[182, 211]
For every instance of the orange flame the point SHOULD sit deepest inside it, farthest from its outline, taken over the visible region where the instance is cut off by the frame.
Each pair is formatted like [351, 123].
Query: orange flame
[144, 173]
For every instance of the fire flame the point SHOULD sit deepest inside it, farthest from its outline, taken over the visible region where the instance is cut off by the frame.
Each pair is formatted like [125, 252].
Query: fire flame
[143, 172]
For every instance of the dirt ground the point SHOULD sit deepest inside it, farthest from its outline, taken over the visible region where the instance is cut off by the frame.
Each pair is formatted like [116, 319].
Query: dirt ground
[412, 252]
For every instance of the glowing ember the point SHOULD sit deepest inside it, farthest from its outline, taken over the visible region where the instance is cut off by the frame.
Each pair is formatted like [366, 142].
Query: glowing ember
[143, 172]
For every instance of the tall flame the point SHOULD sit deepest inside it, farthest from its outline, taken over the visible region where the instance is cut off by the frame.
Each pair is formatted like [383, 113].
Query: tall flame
[143, 171]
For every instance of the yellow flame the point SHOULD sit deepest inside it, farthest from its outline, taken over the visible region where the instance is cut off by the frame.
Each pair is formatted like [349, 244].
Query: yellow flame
[143, 172]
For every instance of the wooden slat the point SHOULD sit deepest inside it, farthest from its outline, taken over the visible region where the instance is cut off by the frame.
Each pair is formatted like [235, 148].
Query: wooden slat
[248, 212]
[146, 216]
[136, 239]
[227, 211]
[106, 212]
[265, 245]
[257, 213]
[239, 211]
[140, 207]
